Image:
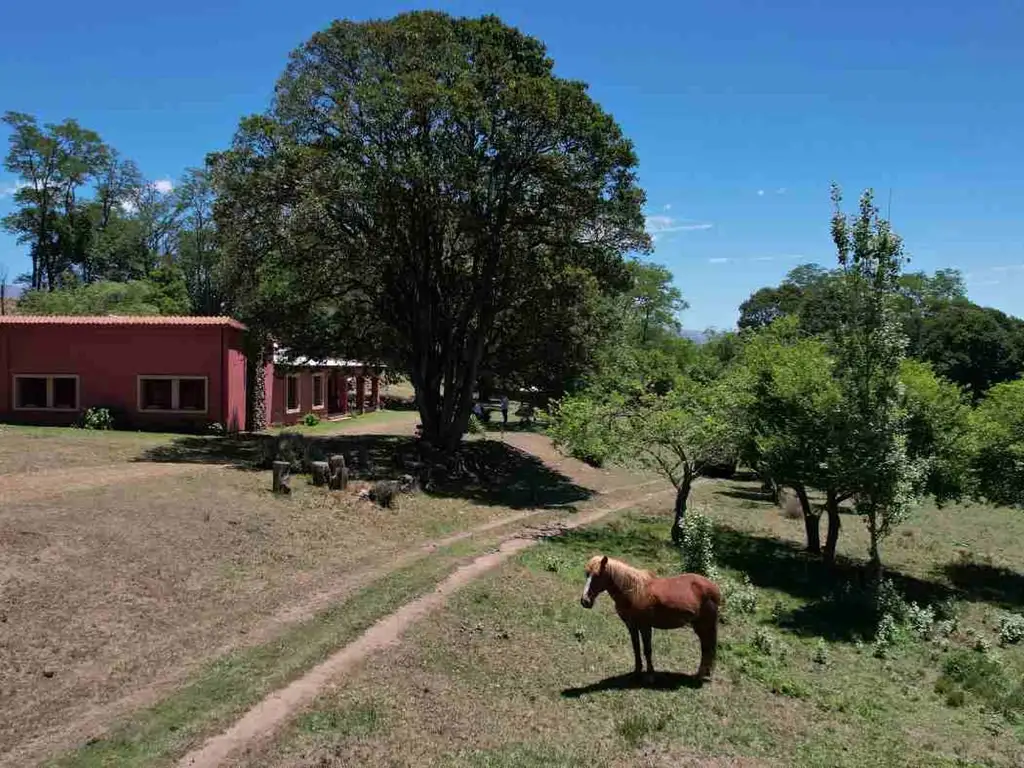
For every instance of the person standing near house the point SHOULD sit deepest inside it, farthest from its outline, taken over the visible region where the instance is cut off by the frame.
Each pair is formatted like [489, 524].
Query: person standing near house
[504, 410]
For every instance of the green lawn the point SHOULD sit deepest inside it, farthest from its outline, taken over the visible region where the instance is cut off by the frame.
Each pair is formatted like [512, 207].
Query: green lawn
[515, 673]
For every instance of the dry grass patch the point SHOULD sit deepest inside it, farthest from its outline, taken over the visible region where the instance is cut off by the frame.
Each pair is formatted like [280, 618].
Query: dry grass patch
[122, 590]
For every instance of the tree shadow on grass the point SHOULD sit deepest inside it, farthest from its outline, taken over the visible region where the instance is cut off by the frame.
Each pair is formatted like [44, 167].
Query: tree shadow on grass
[618, 540]
[987, 583]
[659, 681]
[745, 494]
[498, 474]
[837, 605]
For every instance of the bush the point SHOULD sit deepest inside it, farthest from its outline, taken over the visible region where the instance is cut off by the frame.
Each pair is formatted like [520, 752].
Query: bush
[697, 547]
[821, 652]
[739, 598]
[886, 636]
[1011, 629]
[920, 620]
[766, 643]
[476, 427]
[215, 428]
[97, 418]
[310, 419]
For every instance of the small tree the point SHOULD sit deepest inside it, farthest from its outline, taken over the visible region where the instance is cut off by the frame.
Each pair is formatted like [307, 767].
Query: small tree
[679, 434]
[869, 350]
[793, 419]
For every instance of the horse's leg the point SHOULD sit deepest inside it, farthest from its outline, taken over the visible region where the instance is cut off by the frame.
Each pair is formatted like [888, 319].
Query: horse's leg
[706, 627]
[634, 635]
[645, 632]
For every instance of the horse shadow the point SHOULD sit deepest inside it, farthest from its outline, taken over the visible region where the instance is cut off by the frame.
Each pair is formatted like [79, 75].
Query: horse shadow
[658, 681]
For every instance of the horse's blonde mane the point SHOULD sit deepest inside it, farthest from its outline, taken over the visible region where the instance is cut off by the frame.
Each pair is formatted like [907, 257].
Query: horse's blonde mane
[631, 581]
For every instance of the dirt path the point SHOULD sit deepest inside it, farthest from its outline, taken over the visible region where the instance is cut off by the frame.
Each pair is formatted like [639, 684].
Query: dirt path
[265, 718]
[323, 596]
[31, 486]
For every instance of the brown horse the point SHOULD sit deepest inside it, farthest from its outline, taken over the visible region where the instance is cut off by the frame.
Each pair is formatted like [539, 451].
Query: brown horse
[644, 602]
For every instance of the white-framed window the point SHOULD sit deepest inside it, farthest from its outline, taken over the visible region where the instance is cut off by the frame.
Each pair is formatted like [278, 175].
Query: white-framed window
[319, 390]
[45, 392]
[292, 401]
[173, 394]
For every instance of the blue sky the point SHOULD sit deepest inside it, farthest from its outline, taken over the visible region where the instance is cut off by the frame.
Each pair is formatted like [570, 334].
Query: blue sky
[742, 113]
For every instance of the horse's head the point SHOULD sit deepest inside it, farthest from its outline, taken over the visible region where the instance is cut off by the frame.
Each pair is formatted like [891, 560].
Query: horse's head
[597, 580]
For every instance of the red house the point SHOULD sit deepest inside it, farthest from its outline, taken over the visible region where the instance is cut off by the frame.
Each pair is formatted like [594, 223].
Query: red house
[328, 388]
[159, 372]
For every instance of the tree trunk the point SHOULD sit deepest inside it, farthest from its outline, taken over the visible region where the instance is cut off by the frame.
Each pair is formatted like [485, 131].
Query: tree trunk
[679, 521]
[875, 555]
[834, 524]
[811, 520]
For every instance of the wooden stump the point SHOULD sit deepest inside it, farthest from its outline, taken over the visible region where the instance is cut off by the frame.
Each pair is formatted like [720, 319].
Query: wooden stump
[282, 477]
[321, 473]
[338, 472]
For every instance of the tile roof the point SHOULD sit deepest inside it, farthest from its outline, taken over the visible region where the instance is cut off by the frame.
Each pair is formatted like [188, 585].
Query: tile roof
[154, 320]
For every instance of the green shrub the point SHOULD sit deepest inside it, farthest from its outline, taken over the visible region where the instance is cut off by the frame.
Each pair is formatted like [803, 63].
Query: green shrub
[920, 620]
[821, 652]
[766, 643]
[476, 427]
[740, 598]
[887, 635]
[310, 419]
[97, 418]
[1011, 629]
[697, 547]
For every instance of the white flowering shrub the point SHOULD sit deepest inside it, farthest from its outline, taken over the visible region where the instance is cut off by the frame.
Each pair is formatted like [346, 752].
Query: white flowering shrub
[1011, 629]
[698, 546]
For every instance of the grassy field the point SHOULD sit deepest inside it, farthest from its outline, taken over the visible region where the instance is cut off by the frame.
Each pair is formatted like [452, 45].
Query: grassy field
[140, 563]
[515, 673]
[152, 590]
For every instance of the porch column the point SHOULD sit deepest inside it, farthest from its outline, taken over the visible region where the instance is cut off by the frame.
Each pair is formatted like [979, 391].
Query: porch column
[375, 393]
[360, 393]
[343, 394]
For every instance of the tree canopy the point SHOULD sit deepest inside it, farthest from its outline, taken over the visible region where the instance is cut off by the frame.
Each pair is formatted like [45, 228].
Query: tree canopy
[87, 215]
[415, 193]
[972, 346]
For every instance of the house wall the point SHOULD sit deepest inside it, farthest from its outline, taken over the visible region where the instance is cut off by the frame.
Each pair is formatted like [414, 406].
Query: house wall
[108, 359]
[235, 391]
[281, 416]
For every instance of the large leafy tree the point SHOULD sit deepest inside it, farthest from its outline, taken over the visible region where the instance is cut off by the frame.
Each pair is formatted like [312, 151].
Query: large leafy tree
[54, 162]
[416, 187]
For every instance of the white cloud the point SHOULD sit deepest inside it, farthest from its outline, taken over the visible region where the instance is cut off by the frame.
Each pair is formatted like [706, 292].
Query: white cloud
[718, 260]
[163, 186]
[667, 207]
[764, 258]
[660, 224]
[780, 191]
[760, 193]
[8, 189]
[129, 207]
